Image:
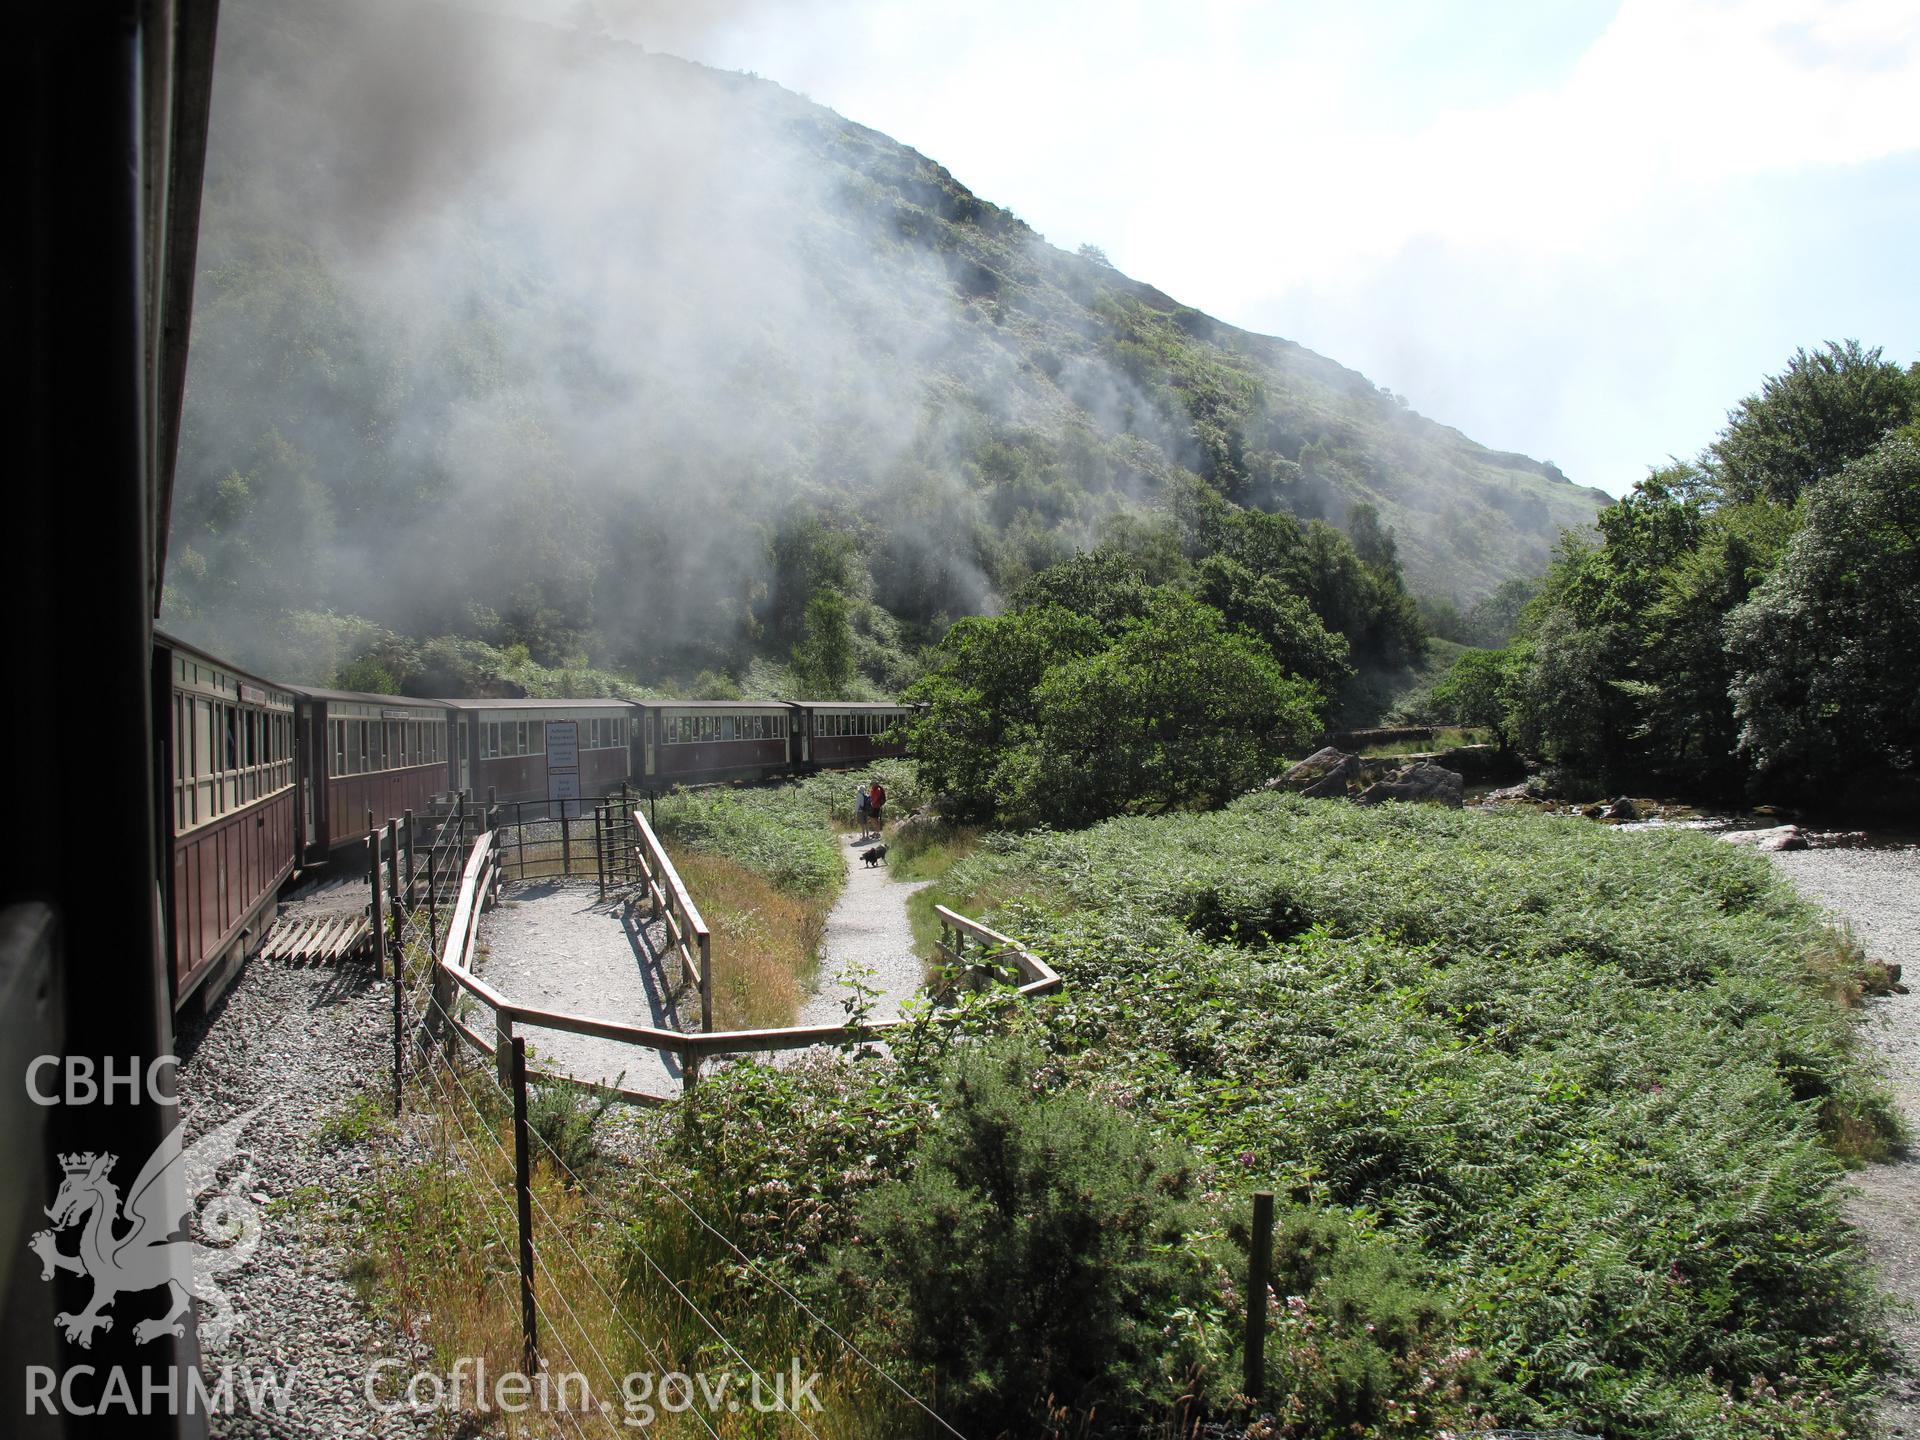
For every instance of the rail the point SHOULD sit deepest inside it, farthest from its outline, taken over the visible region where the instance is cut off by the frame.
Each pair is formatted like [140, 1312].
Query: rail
[687, 932]
[479, 882]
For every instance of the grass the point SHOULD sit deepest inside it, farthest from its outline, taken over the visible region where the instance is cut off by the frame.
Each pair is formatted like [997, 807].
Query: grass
[628, 1282]
[1444, 737]
[766, 940]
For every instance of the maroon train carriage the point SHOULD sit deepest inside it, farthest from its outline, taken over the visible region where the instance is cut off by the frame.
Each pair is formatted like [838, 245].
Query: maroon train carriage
[382, 753]
[692, 742]
[838, 733]
[506, 745]
[227, 765]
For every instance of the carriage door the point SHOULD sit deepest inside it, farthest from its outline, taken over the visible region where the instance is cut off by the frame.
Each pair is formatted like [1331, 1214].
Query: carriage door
[465, 780]
[308, 757]
[647, 730]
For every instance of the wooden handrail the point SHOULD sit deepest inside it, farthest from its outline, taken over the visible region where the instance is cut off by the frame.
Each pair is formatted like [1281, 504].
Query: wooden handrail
[686, 930]
[456, 958]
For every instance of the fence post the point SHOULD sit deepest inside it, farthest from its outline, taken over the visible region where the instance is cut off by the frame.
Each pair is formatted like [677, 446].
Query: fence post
[566, 850]
[394, 916]
[409, 827]
[600, 847]
[399, 1030]
[1259, 1266]
[379, 924]
[523, 1190]
[706, 983]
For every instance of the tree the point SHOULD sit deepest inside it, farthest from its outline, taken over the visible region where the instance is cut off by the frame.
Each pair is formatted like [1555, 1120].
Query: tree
[1177, 710]
[823, 660]
[1262, 606]
[1824, 650]
[977, 737]
[1475, 691]
[1827, 408]
[1045, 715]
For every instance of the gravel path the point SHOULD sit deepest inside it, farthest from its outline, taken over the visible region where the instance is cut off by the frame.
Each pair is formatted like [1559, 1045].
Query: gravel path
[283, 1050]
[1877, 892]
[556, 944]
[868, 926]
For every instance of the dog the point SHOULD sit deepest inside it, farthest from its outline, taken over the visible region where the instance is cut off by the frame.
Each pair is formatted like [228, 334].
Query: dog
[876, 856]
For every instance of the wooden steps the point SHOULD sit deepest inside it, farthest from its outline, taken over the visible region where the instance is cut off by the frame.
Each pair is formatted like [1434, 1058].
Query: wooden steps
[318, 940]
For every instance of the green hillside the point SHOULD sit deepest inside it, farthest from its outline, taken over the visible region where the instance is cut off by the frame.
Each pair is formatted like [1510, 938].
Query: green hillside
[540, 340]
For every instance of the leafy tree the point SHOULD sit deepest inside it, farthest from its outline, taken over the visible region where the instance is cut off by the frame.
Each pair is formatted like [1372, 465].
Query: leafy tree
[1824, 649]
[1494, 620]
[1829, 407]
[1177, 709]
[824, 657]
[1475, 691]
[1284, 621]
[976, 740]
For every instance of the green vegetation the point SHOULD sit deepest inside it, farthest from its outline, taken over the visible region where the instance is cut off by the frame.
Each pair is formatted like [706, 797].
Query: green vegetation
[1743, 620]
[1559, 1118]
[1176, 664]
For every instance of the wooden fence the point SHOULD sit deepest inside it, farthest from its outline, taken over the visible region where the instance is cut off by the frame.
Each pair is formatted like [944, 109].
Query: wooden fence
[453, 970]
[687, 933]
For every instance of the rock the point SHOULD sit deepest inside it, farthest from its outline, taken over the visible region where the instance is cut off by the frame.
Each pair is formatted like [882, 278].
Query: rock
[1323, 773]
[1621, 809]
[1594, 812]
[1424, 781]
[1779, 837]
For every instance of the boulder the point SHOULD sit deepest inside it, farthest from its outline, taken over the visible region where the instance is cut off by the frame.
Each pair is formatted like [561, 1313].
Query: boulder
[1779, 837]
[1621, 809]
[1323, 773]
[1423, 781]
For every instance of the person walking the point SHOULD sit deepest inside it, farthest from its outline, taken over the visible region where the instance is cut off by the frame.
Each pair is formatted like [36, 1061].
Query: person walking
[876, 798]
[860, 803]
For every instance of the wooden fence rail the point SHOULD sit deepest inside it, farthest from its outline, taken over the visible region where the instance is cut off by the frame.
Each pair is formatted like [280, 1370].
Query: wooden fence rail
[453, 969]
[687, 933]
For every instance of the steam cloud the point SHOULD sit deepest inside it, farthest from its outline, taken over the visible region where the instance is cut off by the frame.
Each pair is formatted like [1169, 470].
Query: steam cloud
[499, 314]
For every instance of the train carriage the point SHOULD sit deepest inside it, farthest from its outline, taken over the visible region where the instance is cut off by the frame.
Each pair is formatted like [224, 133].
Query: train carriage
[835, 733]
[505, 746]
[366, 754]
[227, 762]
[688, 742]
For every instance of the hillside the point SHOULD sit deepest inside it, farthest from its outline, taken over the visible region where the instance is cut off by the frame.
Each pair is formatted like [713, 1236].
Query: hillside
[539, 339]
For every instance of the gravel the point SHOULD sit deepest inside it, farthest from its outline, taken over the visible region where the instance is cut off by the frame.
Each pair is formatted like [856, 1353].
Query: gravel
[293, 1045]
[1876, 890]
[557, 945]
[868, 926]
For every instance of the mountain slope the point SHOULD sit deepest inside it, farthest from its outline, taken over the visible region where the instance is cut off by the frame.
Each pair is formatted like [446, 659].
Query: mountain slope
[536, 337]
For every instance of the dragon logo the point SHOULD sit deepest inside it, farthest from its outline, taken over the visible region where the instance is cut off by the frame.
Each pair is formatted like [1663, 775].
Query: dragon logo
[123, 1258]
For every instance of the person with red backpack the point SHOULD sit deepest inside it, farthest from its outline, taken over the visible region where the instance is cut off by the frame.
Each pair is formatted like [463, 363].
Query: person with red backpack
[876, 797]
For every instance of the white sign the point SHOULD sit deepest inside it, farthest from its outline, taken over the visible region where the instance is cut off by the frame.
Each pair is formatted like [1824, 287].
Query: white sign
[563, 786]
[563, 746]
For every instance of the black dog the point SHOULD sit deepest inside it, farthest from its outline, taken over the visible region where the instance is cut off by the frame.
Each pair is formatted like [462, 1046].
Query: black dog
[876, 856]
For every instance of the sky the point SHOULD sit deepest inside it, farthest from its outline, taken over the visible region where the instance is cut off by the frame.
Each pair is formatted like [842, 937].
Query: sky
[1578, 230]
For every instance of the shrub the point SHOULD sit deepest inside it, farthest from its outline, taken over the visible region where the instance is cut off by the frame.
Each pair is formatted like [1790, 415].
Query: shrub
[565, 1118]
[1035, 1255]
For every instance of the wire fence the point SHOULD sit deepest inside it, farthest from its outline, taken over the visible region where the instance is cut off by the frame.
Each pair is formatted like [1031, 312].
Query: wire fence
[586, 1317]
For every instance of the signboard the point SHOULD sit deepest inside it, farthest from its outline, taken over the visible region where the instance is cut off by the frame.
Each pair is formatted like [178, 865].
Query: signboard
[563, 745]
[391, 714]
[563, 793]
[252, 694]
[563, 768]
